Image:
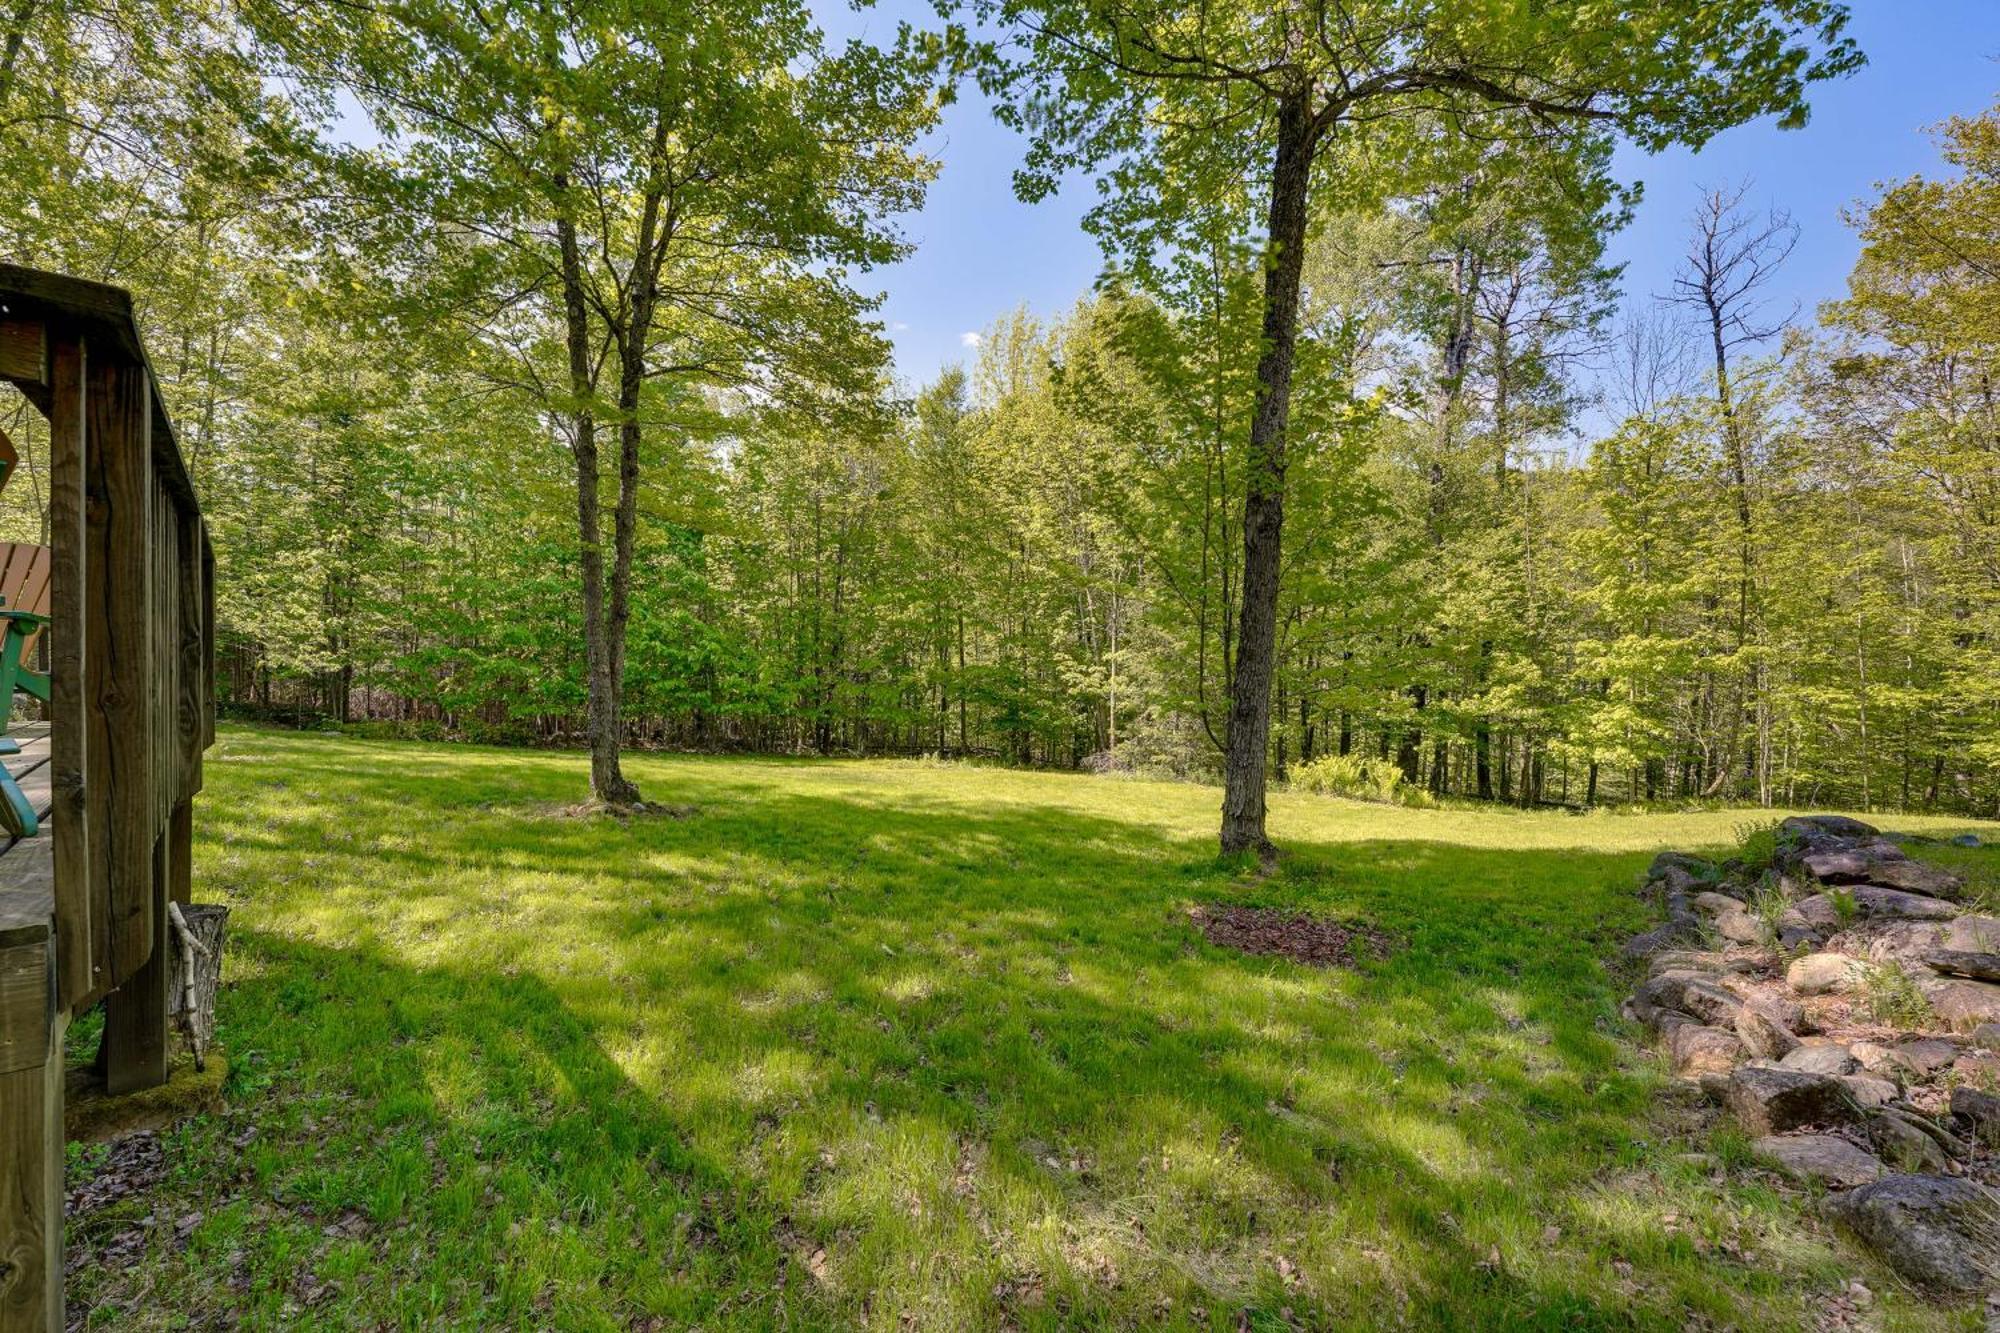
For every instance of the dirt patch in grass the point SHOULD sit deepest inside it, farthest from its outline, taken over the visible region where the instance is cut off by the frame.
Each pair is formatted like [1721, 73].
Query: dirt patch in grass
[1313, 940]
[596, 809]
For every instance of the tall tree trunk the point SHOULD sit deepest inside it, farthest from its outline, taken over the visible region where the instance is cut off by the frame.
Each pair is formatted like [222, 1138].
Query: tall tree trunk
[1410, 750]
[964, 745]
[601, 720]
[1739, 478]
[1264, 486]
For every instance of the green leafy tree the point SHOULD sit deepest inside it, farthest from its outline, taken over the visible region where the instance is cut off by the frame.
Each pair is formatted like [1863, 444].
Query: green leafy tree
[614, 200]
[1259, 115]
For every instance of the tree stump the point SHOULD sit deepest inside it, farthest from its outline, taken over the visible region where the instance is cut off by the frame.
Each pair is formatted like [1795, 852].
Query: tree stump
[197, 972]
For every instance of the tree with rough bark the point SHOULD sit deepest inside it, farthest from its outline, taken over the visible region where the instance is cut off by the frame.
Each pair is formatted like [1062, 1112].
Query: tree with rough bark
[627, 207]
[1277, 112]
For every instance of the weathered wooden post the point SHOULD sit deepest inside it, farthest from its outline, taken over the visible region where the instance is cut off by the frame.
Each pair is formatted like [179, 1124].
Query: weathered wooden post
[84, 905]
[31, 1095]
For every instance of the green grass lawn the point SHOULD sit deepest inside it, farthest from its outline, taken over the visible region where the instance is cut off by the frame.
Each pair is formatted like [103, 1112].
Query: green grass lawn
[902, 1045]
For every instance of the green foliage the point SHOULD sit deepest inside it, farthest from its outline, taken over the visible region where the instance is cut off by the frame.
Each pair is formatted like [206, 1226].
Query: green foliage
[1768, 904]
[1356, 776]
[1889, 995]
[1757, 844]
[1035, 558]
[1845, 911]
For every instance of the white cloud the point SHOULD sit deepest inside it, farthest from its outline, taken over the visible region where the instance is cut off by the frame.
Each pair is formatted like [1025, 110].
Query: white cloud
[969, 340]
[898, 326]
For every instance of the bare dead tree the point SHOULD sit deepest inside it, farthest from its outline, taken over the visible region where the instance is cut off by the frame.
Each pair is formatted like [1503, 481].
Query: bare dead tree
[1733, 255]
[1651, 362]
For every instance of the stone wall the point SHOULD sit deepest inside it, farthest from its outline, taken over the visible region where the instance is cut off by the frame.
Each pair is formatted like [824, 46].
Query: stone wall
[1843, 1005]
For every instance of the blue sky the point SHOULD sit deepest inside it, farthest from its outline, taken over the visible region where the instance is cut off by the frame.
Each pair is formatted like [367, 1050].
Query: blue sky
[980, 253]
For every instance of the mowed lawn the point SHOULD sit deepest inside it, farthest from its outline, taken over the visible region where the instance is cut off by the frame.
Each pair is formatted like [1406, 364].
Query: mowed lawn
[900, 1045]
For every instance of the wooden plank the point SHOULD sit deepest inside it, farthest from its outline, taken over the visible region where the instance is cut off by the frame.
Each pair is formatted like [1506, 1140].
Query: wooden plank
[31, 1135]
[24, 585]
[180, 854]
[190, 714]
[82, 930]
[162, 627]
[119, 551]
[31, 1195]
[207, 640]
[103, 313]
[24, 577]
[30, 734]
[27, 897]
[26, 292]
[118, 652]
[135, 1014]
[24, 350]
[25, 1002]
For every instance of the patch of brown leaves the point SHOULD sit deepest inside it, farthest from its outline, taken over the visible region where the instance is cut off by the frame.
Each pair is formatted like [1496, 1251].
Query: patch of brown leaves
[1315, 941]
[130, 1165]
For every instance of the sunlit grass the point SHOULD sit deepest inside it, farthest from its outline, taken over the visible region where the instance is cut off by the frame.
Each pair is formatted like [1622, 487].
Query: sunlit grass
[896, 1044]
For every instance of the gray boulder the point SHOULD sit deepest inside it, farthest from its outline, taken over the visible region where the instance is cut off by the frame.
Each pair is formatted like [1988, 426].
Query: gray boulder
[1851, 863]
[1670, 934]
[1739, 927]
[1869, 1091]
[1762, 1035]
[1917, 877]
[1964, 1004]
[1772, 1100]
[1710, 903]
[1796, 935]
[1684, 862]
[1902, 1140]
[1826, 1158]
[1939, 1232]
[1973, 934]
[1822, 973]
[1882, 1061]
[1893, 941]
[1927, 1055]
[1830, 1059]
[1773, 1001]
[1837, 826]
[1698, 1050]
[1981, 1069]
[1698, 994]
[1686, 960]
[1959, 963]
[1978, 1113]
[1872, 903]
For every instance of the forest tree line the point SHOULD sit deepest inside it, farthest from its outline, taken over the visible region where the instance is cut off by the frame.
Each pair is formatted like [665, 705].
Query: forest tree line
[1544, 542]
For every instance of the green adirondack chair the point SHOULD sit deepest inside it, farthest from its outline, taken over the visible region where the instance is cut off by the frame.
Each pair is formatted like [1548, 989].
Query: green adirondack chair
[24, 604]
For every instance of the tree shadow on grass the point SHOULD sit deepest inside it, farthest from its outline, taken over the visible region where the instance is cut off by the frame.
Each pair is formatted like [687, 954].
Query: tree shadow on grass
[822, 1059]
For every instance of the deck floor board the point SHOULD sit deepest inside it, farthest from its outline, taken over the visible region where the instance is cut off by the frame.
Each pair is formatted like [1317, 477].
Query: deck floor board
[27, 867]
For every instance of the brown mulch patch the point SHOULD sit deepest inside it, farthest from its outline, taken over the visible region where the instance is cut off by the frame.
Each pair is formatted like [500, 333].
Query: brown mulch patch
[1315, 941]
[595, 809]
[129, 1166]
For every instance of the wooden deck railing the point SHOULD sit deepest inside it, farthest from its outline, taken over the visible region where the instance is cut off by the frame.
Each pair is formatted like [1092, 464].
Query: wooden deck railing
[83, 911]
